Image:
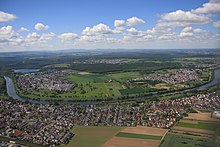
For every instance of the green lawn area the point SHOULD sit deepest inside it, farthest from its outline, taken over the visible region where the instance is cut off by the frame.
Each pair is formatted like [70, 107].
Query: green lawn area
[177, 140]
[87, 78]
[94, 91]
[123, 76]
[141, 136]
[92, 136]
[200, 125]
[79, 79]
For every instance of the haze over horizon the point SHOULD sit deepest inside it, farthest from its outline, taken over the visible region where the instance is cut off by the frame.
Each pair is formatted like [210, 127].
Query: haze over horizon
[57, 25]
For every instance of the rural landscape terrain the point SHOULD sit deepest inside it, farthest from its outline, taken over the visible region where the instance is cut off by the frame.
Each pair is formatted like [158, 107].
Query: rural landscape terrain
[110, 73]
[140, 98]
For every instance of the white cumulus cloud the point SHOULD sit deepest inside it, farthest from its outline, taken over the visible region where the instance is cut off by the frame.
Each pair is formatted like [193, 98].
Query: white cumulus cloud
[99, 29]
[133, 31]
[23, 29]
[4, 17]
[212, 6]
[198, 34]
[119, 23]
[216, 24]
[187, 18]
[134, 21]
[7, 33]
[129, 22]
[68, 36]
[40, 26]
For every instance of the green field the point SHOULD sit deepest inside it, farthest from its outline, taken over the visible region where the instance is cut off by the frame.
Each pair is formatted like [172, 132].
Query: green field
[177, 140]
[88, 78]
[92, 136]
[141, 136]
[201, 125]
[123, 76]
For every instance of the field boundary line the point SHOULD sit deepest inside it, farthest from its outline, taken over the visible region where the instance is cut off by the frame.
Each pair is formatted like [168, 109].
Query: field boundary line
[164, 135]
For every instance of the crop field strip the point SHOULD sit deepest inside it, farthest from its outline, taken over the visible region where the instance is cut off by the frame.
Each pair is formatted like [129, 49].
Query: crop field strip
[140, 136]
[195, 130]
[179, 140]
[200, 125]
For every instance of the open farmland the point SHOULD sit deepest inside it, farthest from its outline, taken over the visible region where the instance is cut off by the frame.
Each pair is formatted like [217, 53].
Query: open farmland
[123, 76]
[200, 125]
[139, 136]
[145, 130]
[180, 140]
[86, 136]
[201, 116]
[193, 130]
[131, 142]
[198, 129]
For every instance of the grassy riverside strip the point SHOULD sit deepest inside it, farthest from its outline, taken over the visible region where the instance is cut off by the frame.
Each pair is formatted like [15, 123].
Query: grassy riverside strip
[141, 136]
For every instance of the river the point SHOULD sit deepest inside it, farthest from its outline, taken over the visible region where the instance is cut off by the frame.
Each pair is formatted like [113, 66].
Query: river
[12, 92]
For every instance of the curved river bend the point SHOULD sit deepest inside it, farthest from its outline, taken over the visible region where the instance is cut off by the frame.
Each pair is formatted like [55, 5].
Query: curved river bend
[12, 92]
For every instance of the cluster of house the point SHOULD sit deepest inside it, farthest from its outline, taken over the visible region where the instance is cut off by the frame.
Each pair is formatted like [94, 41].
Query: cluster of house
[102, 61]
[180, 76]
[51, 125]
[210, 101]
[49, 81]
[41, 124]
[209, 66]
[9, 144]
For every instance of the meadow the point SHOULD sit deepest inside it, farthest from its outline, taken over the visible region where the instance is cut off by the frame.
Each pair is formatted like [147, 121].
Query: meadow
[91, 136]
[198, 129]
[180, 140]
[201, 125]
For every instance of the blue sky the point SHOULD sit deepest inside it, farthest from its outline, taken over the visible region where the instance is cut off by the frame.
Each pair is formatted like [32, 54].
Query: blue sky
[53, 24]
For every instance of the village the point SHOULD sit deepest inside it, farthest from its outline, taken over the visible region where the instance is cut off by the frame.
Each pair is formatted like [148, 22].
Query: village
[48, 81]
[102, 61]
[180, 76]
[52, 125]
